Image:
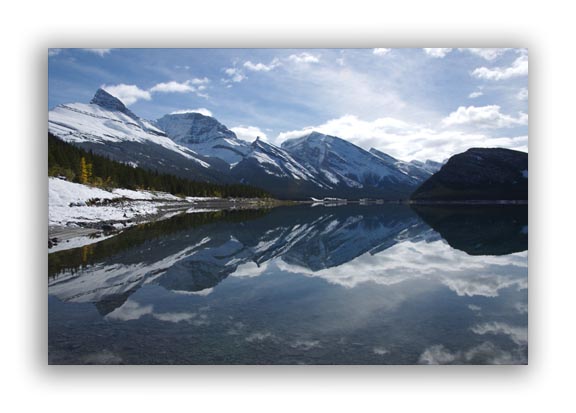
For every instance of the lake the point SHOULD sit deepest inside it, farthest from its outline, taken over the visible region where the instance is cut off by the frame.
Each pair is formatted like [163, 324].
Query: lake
[354, 284]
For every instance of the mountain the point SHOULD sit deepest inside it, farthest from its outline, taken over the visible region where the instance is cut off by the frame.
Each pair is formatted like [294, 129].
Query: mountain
[205, 135]
[415, 169]
[271, 167]
[107, 127]
[350, 171]
[430, 166]
[199, 147]
[258, 163]
[195, 252]
[479, 229]
[479, 174]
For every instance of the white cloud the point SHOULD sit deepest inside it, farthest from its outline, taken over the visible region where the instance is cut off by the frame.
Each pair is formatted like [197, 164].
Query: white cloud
[99, 52]
[193, 318]
[54, 52]
[486, 352]
[518, 335]
[466, 275]
[173, 87]
[437, 354]
[202, 111]
[522, 308]
[484, 117]
[130, 310]
[439, 52]
[381, 51]
[518, 68]
[405, 140]
[234, 75]
[381, 351]
[250, 269]
[476, 94]
[261, 67]
[199, 81]
[486, 52]
[304, 58]
[249, 133]
[189, 86]
[128, 94]
[522, 94]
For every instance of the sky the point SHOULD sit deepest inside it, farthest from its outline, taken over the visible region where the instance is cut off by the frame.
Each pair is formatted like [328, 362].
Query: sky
[416, 103]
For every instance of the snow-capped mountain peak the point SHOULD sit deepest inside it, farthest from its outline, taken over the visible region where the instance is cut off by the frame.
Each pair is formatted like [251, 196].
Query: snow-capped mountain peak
[107, 127]
[340, 163]
[204, 134]
[106, 101]
[191, 128]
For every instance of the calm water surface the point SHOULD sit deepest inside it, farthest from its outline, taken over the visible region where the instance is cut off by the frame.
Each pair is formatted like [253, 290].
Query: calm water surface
[382, 284]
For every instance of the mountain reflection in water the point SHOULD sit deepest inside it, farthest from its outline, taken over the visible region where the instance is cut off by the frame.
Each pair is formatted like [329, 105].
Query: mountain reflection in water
[344, 285]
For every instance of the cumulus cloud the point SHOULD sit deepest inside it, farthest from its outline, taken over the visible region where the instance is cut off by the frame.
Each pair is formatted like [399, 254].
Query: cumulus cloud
[484, 117]
[466, 275]
[128, 94]
[250, 269]
[518, 68]
[202, 111]
[261, 67]
[474, 95]
[130, 310]
[437, 354]
[405, 140]
[381, 351]
[438, 52]
[188, 86]
[54, 52]
[172, 86]
[518, 335]
[485, 353]
[304, 58]
[234, 75]
[249, 133]
[522, 94]
[487, 52]
[381, 51]
[99, 52]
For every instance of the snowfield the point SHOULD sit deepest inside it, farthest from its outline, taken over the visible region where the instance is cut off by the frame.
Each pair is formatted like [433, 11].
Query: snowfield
[67, 203]
[79, 215]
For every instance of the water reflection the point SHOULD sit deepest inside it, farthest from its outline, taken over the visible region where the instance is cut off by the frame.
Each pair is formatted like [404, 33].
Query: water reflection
[346, 285]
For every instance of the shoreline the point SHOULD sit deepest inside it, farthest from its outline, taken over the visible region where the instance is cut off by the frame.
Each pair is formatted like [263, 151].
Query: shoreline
[75, 234]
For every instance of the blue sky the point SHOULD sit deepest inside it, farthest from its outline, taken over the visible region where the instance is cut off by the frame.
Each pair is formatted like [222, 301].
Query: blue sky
[410, 103]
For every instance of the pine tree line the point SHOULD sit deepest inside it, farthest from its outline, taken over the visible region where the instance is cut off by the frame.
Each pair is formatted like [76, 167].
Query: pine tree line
[81, 166]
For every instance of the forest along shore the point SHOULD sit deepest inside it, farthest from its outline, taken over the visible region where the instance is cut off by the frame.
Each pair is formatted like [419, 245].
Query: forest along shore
[79, 214]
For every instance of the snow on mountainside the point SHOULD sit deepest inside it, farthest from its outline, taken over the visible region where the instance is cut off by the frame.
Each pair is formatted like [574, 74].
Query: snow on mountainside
[415, 169]
[205, 135]
[338, 162]
[276, 161]
[108, 128]
[199, 147]
[258, 163]
[106, 119]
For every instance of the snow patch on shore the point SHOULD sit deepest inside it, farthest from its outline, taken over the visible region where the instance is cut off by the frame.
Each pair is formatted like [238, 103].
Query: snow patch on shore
[67, 203]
